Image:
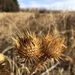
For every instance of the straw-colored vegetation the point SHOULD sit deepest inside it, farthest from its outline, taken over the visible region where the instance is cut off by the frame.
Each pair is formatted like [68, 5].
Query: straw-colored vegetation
[41, 48]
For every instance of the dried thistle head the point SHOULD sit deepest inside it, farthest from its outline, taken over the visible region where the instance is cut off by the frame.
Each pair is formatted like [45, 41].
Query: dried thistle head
[2, 62]
[4, 70]
[2, 58]
[52, 47]
[27, 46]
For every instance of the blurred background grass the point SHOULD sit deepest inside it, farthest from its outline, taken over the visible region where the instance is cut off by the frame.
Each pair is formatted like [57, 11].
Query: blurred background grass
[57, 23]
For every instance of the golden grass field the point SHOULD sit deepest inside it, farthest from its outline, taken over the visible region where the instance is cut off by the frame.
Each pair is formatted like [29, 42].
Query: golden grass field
[58, 24]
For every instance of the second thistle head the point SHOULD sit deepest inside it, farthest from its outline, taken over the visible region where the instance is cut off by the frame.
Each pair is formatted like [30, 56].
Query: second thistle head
[53, 47]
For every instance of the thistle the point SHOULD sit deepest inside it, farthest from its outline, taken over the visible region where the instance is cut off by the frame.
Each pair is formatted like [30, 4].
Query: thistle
[3, 65]
[27, 46]
[2, 58]
[2, 62]
[53, 47]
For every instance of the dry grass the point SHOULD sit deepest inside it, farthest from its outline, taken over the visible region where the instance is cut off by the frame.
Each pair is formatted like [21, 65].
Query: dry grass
[59, 24]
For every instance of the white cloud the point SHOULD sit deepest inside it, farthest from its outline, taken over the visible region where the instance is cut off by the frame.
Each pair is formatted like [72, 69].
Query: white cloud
[57, 5]
[64, 5]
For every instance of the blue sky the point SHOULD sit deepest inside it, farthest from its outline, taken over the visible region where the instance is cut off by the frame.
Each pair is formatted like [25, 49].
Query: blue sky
[48, 4]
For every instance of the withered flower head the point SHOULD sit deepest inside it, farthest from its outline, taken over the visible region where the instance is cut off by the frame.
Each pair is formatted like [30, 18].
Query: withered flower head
[2, 58]
[2, 62]
[52, 47]
[27, 45]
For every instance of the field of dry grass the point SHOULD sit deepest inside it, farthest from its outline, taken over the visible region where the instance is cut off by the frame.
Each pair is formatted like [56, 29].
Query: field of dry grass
[59, 24]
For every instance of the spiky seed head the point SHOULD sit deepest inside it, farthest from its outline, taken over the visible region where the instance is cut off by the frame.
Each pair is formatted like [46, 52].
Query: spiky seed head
[52, 47]
[27, 46]
[2, 58]
[2, 62]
